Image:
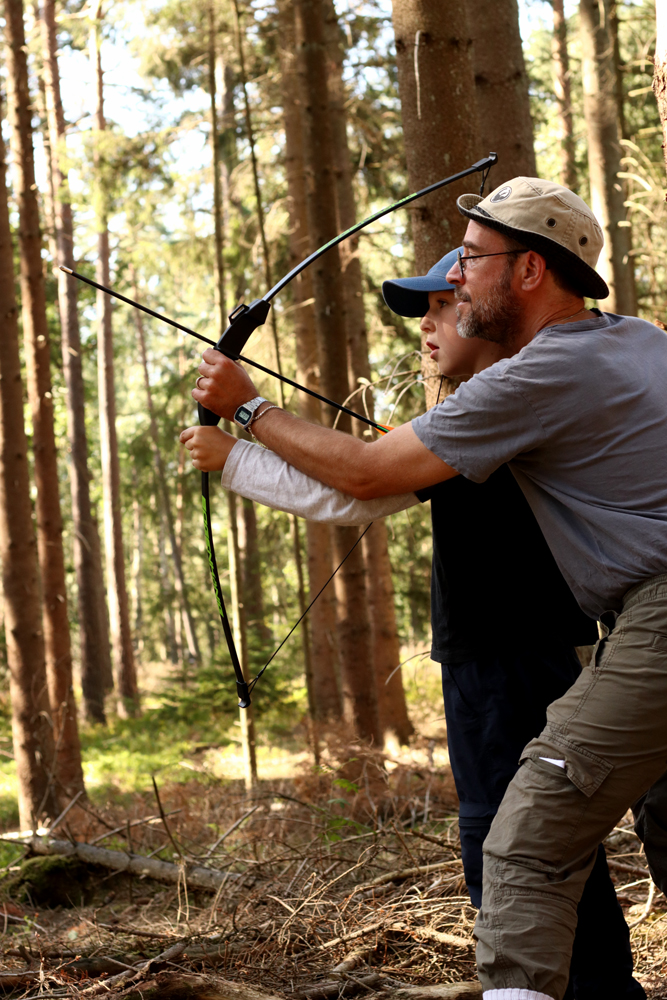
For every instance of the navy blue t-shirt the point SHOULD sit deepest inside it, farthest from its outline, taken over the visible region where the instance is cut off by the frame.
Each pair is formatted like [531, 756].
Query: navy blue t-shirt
[495, 584]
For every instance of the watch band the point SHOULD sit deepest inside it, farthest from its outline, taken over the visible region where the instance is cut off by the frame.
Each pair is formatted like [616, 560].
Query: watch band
[245, 413]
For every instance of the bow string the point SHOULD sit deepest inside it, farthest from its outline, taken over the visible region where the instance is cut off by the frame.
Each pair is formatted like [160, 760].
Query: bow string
[243, 321]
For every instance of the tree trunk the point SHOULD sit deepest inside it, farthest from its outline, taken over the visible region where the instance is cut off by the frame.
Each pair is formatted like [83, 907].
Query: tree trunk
[501, 88]
[562, 88]
[322, 616]
[660, 73]
[296, 547]
[358, 678]
[31, 723]
[119, 611]
[246, 715]
[179, 578]
[96, 674]
[57, 646]
[253, 597]
[241, 638]
[436, 83]
[604, 154]
[394, 721]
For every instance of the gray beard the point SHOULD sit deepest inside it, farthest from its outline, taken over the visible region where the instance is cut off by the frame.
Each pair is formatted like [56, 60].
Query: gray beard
[495, 318]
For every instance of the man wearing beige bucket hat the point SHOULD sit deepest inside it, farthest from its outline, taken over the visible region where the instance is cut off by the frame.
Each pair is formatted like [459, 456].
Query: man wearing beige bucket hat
[577, 407]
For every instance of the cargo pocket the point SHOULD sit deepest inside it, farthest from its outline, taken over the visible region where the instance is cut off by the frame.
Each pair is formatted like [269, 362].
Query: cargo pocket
[585, 769]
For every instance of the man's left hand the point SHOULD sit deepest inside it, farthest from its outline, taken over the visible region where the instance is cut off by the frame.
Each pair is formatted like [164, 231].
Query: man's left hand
[223, 386]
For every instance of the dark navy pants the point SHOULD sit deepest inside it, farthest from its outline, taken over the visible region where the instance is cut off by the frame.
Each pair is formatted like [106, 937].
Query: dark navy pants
[494, 706]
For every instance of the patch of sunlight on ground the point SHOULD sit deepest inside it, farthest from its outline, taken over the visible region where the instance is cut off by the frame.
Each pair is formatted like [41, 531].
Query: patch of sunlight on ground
[272, 762]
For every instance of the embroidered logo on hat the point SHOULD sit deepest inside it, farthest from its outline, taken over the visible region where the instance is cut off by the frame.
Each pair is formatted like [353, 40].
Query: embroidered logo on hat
[550, 219]
[502, 194]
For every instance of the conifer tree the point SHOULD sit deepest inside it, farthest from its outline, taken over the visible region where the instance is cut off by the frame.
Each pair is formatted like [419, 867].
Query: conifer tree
[32, 733]
[40, 396]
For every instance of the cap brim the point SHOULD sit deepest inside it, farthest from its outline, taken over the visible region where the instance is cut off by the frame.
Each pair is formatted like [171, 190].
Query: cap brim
[409, 296]
[584, 278]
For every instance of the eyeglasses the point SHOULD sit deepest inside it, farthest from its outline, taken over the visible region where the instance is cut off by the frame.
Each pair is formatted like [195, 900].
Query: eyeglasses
[475, 256]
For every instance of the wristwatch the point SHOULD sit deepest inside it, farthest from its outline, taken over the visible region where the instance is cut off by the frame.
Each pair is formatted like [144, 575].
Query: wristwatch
[245, 413]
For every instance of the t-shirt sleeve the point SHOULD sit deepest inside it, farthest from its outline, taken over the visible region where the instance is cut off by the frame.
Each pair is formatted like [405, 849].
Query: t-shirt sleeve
[485, 423]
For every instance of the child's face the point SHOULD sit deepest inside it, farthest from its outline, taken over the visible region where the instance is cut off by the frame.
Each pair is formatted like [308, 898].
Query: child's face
[455, 356]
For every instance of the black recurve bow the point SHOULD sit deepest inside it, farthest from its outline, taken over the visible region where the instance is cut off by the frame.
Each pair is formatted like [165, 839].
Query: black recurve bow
[243, 321]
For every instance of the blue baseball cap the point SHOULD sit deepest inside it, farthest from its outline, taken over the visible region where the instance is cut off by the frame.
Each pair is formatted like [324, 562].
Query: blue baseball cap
[409, 296]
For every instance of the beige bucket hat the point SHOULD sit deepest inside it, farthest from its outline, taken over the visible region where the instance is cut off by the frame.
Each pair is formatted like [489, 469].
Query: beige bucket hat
[549, 219]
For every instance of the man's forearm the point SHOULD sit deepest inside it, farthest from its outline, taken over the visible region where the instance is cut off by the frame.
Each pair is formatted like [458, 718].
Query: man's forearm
[328, 456]
[394, 464]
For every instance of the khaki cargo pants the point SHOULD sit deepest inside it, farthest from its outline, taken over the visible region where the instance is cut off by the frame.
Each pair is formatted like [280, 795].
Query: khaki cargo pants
[610, 729]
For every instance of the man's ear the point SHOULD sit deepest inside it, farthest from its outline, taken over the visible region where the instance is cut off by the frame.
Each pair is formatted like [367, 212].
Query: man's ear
[533, 270]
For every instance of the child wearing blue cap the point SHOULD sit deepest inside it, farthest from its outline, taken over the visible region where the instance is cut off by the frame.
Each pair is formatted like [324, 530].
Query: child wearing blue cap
[504, 622]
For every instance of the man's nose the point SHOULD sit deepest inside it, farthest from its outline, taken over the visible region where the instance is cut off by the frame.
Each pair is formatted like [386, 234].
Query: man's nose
[454, 276]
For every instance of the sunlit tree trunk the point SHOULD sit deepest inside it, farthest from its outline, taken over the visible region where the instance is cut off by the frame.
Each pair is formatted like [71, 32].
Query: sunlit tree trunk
[119, 611]
[394, 721]
[268, 279]
[38, 364]
[604, 154]
[562, 88]
[501, 88]
[96, 674]
[31, 723]
[322, 616]
[246, 715]
[436, 84]
[660, 72]
[358, 677]
[179, 579]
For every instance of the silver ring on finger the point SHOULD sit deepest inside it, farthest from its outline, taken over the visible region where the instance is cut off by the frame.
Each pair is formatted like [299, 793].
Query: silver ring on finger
[198, 381]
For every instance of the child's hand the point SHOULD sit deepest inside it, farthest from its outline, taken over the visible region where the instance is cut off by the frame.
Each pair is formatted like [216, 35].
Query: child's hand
[210, 447]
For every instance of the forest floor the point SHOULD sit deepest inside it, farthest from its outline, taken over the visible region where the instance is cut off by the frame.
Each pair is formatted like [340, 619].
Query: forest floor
[341, 880]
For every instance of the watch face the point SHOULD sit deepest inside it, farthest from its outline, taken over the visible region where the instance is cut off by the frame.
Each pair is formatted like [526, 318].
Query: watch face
[243, 415]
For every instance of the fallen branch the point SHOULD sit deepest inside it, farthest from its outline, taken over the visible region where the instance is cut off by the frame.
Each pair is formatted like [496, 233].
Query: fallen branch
[430, 934]
[453, 991]
[124, 978]
[179, 986]
[620, 866]
[403, 874]
[338, 988]
[353, 959]
[197, 877]
[352, 936]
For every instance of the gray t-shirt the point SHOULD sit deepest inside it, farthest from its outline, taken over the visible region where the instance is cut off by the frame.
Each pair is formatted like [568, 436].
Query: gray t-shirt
[580, 414]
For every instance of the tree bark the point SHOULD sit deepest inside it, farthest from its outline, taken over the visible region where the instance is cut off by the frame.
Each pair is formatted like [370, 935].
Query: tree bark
[31, 724]
[119, 610]
[440, 129]
[393, 715]
[40, 397]
[604, 154]
[179, 577]
[562, 88]
[660, 72]
[246, 716]
[358, 678]
[250, 510]
[96, 673]
[501, 88]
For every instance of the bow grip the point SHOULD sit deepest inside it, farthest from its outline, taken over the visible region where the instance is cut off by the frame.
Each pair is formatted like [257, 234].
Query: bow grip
[207, 418]
[243, 321]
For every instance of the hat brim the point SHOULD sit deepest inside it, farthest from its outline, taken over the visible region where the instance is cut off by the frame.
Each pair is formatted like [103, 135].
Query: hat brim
[409, 296]
[580, 274]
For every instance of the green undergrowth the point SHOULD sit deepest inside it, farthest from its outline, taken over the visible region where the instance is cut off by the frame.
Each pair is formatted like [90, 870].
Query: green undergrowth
[176, 727]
